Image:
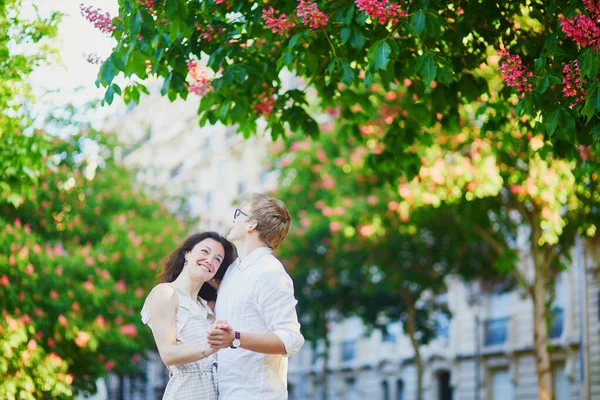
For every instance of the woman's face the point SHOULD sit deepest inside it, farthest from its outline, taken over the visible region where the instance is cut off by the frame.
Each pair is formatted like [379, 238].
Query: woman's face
[204, 260]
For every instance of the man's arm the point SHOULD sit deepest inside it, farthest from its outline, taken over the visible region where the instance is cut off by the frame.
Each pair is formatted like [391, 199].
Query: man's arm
[266, 343]
[277, 306]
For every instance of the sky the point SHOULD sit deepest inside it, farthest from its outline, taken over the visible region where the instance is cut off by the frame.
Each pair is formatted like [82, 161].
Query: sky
[73, 81]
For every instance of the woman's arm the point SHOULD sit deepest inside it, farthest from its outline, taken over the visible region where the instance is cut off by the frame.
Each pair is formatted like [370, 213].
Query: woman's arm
[163, 311]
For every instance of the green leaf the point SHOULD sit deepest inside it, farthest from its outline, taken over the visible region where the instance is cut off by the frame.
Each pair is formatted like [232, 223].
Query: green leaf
[540, 63]
[445, 75]
[347, 73]
[543, 84]
[552, 123]
[418, 23]
[595, 132]
[107, 72]
[235, 73]
[135, 23]
[165, 87]
[109, 95]
[345, 34]
[294, 39]
[116, 88]
[590, 64]
[358, 39]
[379, 55]
[427, 67]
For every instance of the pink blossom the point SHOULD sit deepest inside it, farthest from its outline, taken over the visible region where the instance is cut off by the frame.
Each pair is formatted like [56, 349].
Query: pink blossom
[514, 73]
[265, 104]
[279, 25]
[381, 10]
[585, 152]
[201, 84]
[100, 321]
[54, 295]
[139, 292]
[572, 83]
[94, 59]
[4, 281]
[29, 269]
[109, 365]
[101, 20]
[75, 307]
[62, 320]
[120, 286]
[582, 29]
[89, 286]
[310, 14]
[51, 342]
[335, 227]
[129, 330]
[82, 338]
[32, 345]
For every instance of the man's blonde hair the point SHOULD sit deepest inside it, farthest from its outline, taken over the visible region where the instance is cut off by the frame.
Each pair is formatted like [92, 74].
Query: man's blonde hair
[272, 217]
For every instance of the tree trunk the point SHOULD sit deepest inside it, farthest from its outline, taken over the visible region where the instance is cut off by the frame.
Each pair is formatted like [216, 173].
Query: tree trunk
[411, 327]
[540, 337]
[325, 362]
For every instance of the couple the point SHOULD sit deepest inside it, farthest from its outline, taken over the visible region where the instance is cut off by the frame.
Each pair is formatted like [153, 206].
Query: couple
[257, 327]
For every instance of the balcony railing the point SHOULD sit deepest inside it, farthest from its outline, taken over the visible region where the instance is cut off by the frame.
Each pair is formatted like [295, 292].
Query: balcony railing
[496, 331]
[558, 320]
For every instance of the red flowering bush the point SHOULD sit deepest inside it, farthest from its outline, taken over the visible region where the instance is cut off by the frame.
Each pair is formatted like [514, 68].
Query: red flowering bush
[76, 262]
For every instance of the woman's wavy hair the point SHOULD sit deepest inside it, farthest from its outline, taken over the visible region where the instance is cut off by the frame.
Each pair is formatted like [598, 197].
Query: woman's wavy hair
[174, 264]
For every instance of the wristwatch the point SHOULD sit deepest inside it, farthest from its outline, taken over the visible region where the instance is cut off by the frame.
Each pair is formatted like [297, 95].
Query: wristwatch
[235, 343]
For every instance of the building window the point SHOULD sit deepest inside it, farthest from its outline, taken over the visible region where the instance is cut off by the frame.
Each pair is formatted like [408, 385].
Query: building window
[442, 325]
[444, 388]
[388, 337]
[556, 329]
[208, 200]
[241, 188]
[385, 389]
[561, 383]
[399, 389]
[176, 171]
[291, 393]
[496, 331]
[207, 143]
[502, 386]
[351, 390]
[348, 350]
[496, 326]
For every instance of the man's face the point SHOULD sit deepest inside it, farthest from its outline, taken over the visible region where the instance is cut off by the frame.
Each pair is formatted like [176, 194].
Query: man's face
[240, 224]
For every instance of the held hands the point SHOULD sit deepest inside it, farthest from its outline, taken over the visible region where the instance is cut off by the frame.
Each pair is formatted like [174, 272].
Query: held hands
[220, 335]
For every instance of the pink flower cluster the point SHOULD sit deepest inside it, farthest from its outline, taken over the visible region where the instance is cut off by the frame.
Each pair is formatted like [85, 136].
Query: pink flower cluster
[94, 59]
[381, 10]
[200, 82]
[148, 3]
[265, 104]
[514, 73]
[311, 15]
[584, 29]
[278, 25]
[572, 83]
[101, 20]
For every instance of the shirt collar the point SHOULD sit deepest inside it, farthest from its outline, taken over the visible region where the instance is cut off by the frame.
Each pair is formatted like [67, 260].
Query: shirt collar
[252, 257]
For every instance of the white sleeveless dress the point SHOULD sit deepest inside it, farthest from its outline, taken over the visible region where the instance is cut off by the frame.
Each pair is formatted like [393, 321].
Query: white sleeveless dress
[196, 380]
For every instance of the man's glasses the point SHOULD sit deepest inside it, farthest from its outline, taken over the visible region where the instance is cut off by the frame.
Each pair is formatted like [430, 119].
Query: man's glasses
[238, 212]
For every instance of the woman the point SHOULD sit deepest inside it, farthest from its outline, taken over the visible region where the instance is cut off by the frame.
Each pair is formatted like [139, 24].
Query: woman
[180, 318]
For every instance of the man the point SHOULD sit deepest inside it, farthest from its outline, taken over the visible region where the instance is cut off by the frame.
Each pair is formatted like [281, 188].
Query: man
[256, 299]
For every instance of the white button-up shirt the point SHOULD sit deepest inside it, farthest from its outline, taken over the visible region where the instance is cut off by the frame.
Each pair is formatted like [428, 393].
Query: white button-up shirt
[257, 296]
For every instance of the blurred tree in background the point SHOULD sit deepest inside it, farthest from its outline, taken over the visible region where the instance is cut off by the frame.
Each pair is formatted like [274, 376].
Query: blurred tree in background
[25, 45]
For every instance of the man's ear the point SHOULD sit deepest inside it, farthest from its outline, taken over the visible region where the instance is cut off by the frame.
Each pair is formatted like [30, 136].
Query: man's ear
[252, 226]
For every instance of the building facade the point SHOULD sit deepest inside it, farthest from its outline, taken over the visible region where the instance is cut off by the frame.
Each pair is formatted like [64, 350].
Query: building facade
[484, 352]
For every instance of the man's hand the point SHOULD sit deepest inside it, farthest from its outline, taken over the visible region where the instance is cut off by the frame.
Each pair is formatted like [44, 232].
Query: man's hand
[221, 335]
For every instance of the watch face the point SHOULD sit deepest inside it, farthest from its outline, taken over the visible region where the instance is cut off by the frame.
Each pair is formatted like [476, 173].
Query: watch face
[236, 343]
